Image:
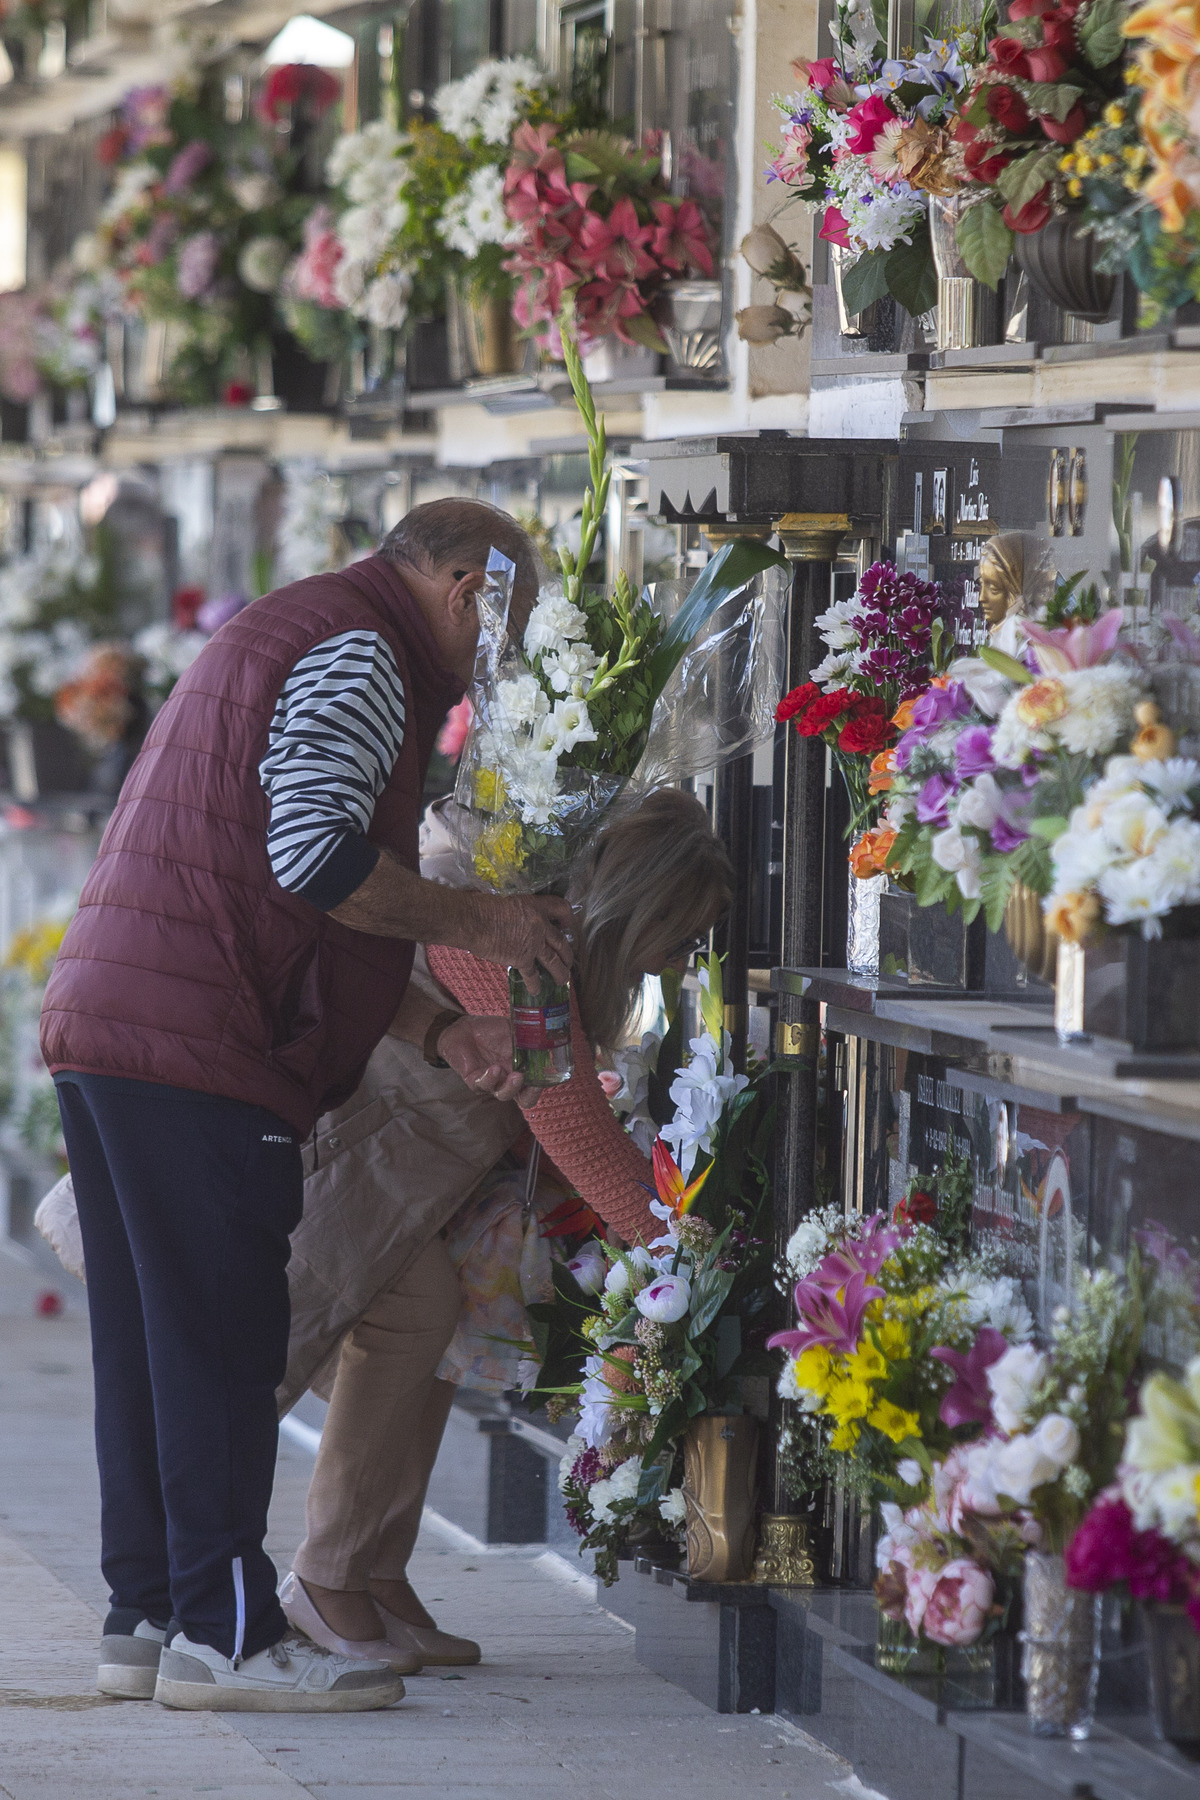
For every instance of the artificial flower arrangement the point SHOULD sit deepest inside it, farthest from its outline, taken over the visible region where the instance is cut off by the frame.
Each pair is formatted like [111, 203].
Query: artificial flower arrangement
[645, 1340]
[205, 218]
[561, 720]
[1056, 1416]
[55, 607]
[885, 645]
[1142, 1536]
[417, 208]
[1049, 76]
[994, 757]
[594, 223]
[864, 140]
[28, 1099]
[896, 1326]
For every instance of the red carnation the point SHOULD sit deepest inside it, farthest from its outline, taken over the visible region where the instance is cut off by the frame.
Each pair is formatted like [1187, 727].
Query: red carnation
[823, 711]
[1009, 55]
[916, 1209]
[1008, 109]
[867, 730]
[1032, 216]
[1070, 128]
[1046, 64]
[237, 393]
[797, 701]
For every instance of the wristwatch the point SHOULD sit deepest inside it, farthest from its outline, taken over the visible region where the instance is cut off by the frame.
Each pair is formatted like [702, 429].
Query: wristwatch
[437, 1025]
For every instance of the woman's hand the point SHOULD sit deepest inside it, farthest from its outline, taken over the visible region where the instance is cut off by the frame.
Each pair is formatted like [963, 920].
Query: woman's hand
[479, 1050]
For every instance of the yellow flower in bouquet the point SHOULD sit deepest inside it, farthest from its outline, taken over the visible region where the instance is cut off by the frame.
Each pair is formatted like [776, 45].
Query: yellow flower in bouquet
[498, 852]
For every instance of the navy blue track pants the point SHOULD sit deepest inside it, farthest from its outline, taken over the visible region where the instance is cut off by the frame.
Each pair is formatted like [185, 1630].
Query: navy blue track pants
[186, 1202]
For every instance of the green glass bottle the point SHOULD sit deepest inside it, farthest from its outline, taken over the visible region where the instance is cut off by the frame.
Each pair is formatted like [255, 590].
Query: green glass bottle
[541, 1029]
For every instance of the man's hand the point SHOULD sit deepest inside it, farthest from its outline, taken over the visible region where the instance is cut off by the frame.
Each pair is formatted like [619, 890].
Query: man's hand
[522, 929]
[525, 930]
[479, 1050]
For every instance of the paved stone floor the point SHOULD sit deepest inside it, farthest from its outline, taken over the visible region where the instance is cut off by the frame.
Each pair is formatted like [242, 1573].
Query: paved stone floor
[559, 1709]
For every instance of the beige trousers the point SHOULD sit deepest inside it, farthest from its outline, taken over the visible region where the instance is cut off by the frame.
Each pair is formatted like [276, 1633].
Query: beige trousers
[386, 1417]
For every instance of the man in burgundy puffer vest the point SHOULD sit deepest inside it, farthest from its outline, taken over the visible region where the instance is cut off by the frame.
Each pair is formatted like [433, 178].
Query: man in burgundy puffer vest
[242, 943]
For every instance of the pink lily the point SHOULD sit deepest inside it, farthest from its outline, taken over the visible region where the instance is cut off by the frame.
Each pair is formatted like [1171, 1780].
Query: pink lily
[1074, 646]
[969, 1401]
[863, 1255]
[681, 239]
[828, 1318]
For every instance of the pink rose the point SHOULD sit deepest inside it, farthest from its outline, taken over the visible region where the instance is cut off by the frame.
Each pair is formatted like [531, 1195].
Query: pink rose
[958, 1607]
[866, 121]
[818, 74]
[834, 228]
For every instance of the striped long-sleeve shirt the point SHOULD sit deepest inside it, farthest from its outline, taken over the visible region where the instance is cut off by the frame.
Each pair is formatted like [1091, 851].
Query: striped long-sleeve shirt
[336, 733]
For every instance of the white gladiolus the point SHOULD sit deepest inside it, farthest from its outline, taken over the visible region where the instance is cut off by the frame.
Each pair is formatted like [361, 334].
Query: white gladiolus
[571, 724]
[570, 669]
[574, 1448]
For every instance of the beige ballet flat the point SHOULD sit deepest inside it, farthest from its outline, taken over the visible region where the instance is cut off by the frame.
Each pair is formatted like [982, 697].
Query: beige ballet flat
[436, 1649]
[301, 1613]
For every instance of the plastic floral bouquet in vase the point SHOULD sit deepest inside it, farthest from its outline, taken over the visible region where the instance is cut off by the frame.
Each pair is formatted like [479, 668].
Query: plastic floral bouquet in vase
[648, 1340]
[865, 140]
[1056, 1418]
[1142, 1539]
[993, 758]
[562, 718]
[885, 646]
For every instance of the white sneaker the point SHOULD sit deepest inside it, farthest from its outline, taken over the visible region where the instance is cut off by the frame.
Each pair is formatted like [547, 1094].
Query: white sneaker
[294, 1675]
[129, 1659]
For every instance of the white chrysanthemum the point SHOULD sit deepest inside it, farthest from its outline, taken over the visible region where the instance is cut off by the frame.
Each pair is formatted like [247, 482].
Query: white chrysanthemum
[999, 1303]
[1173, 780]
[523, 700]
[1013, 739]
[1132, 824]
[489, 101]
[553, 623]
[476, 216]
[574, 1448]
[385, 300]
[365, 232]
[1175, 863]
[1100, 703]
[832, 672]
[837, 625]
[375, 146]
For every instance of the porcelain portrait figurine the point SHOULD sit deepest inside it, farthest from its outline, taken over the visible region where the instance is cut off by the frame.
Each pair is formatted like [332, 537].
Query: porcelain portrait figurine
[1016, 581]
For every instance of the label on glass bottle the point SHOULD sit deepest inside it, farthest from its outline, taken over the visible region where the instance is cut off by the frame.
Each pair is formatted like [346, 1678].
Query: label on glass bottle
[541, 1027]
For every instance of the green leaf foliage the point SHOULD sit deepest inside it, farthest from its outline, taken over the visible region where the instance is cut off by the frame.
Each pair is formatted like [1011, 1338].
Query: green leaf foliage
[1028, 175]
[865, 281]
[985, 242]
[911, 275]
[1005, 665]
[1100, 34]
[1052, 98]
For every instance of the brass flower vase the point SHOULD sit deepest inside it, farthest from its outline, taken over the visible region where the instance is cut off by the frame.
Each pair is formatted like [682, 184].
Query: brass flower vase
[720, 1466]
[1030, 939]
[491, 338]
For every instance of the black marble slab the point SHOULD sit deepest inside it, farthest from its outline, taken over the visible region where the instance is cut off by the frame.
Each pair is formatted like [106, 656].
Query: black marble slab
[714, 1639]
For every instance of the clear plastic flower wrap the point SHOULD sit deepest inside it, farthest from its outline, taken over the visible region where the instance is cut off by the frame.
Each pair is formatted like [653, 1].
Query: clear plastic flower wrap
[540, 769]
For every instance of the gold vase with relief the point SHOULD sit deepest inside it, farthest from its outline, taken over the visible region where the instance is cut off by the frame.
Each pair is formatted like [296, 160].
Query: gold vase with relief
[1030, 939]
[720, 1468]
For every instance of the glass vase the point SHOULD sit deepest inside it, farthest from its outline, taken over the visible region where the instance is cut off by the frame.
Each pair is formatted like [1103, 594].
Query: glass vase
[1061, 1659]
[541, 1029]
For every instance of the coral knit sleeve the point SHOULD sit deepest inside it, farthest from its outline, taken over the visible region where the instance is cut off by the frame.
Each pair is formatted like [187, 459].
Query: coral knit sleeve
[574, 1123]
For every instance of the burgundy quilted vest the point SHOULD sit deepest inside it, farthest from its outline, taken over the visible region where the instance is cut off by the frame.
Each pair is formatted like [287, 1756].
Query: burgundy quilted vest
[187, 963]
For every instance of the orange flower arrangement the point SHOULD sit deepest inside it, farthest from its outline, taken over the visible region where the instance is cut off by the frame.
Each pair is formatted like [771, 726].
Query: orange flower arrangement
[1167, 70]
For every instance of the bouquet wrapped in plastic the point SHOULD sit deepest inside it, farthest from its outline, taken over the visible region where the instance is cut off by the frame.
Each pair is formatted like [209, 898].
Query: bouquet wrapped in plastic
[563, 717]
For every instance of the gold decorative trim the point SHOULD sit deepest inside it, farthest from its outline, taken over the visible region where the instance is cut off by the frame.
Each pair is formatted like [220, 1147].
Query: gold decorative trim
[783, 1558]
